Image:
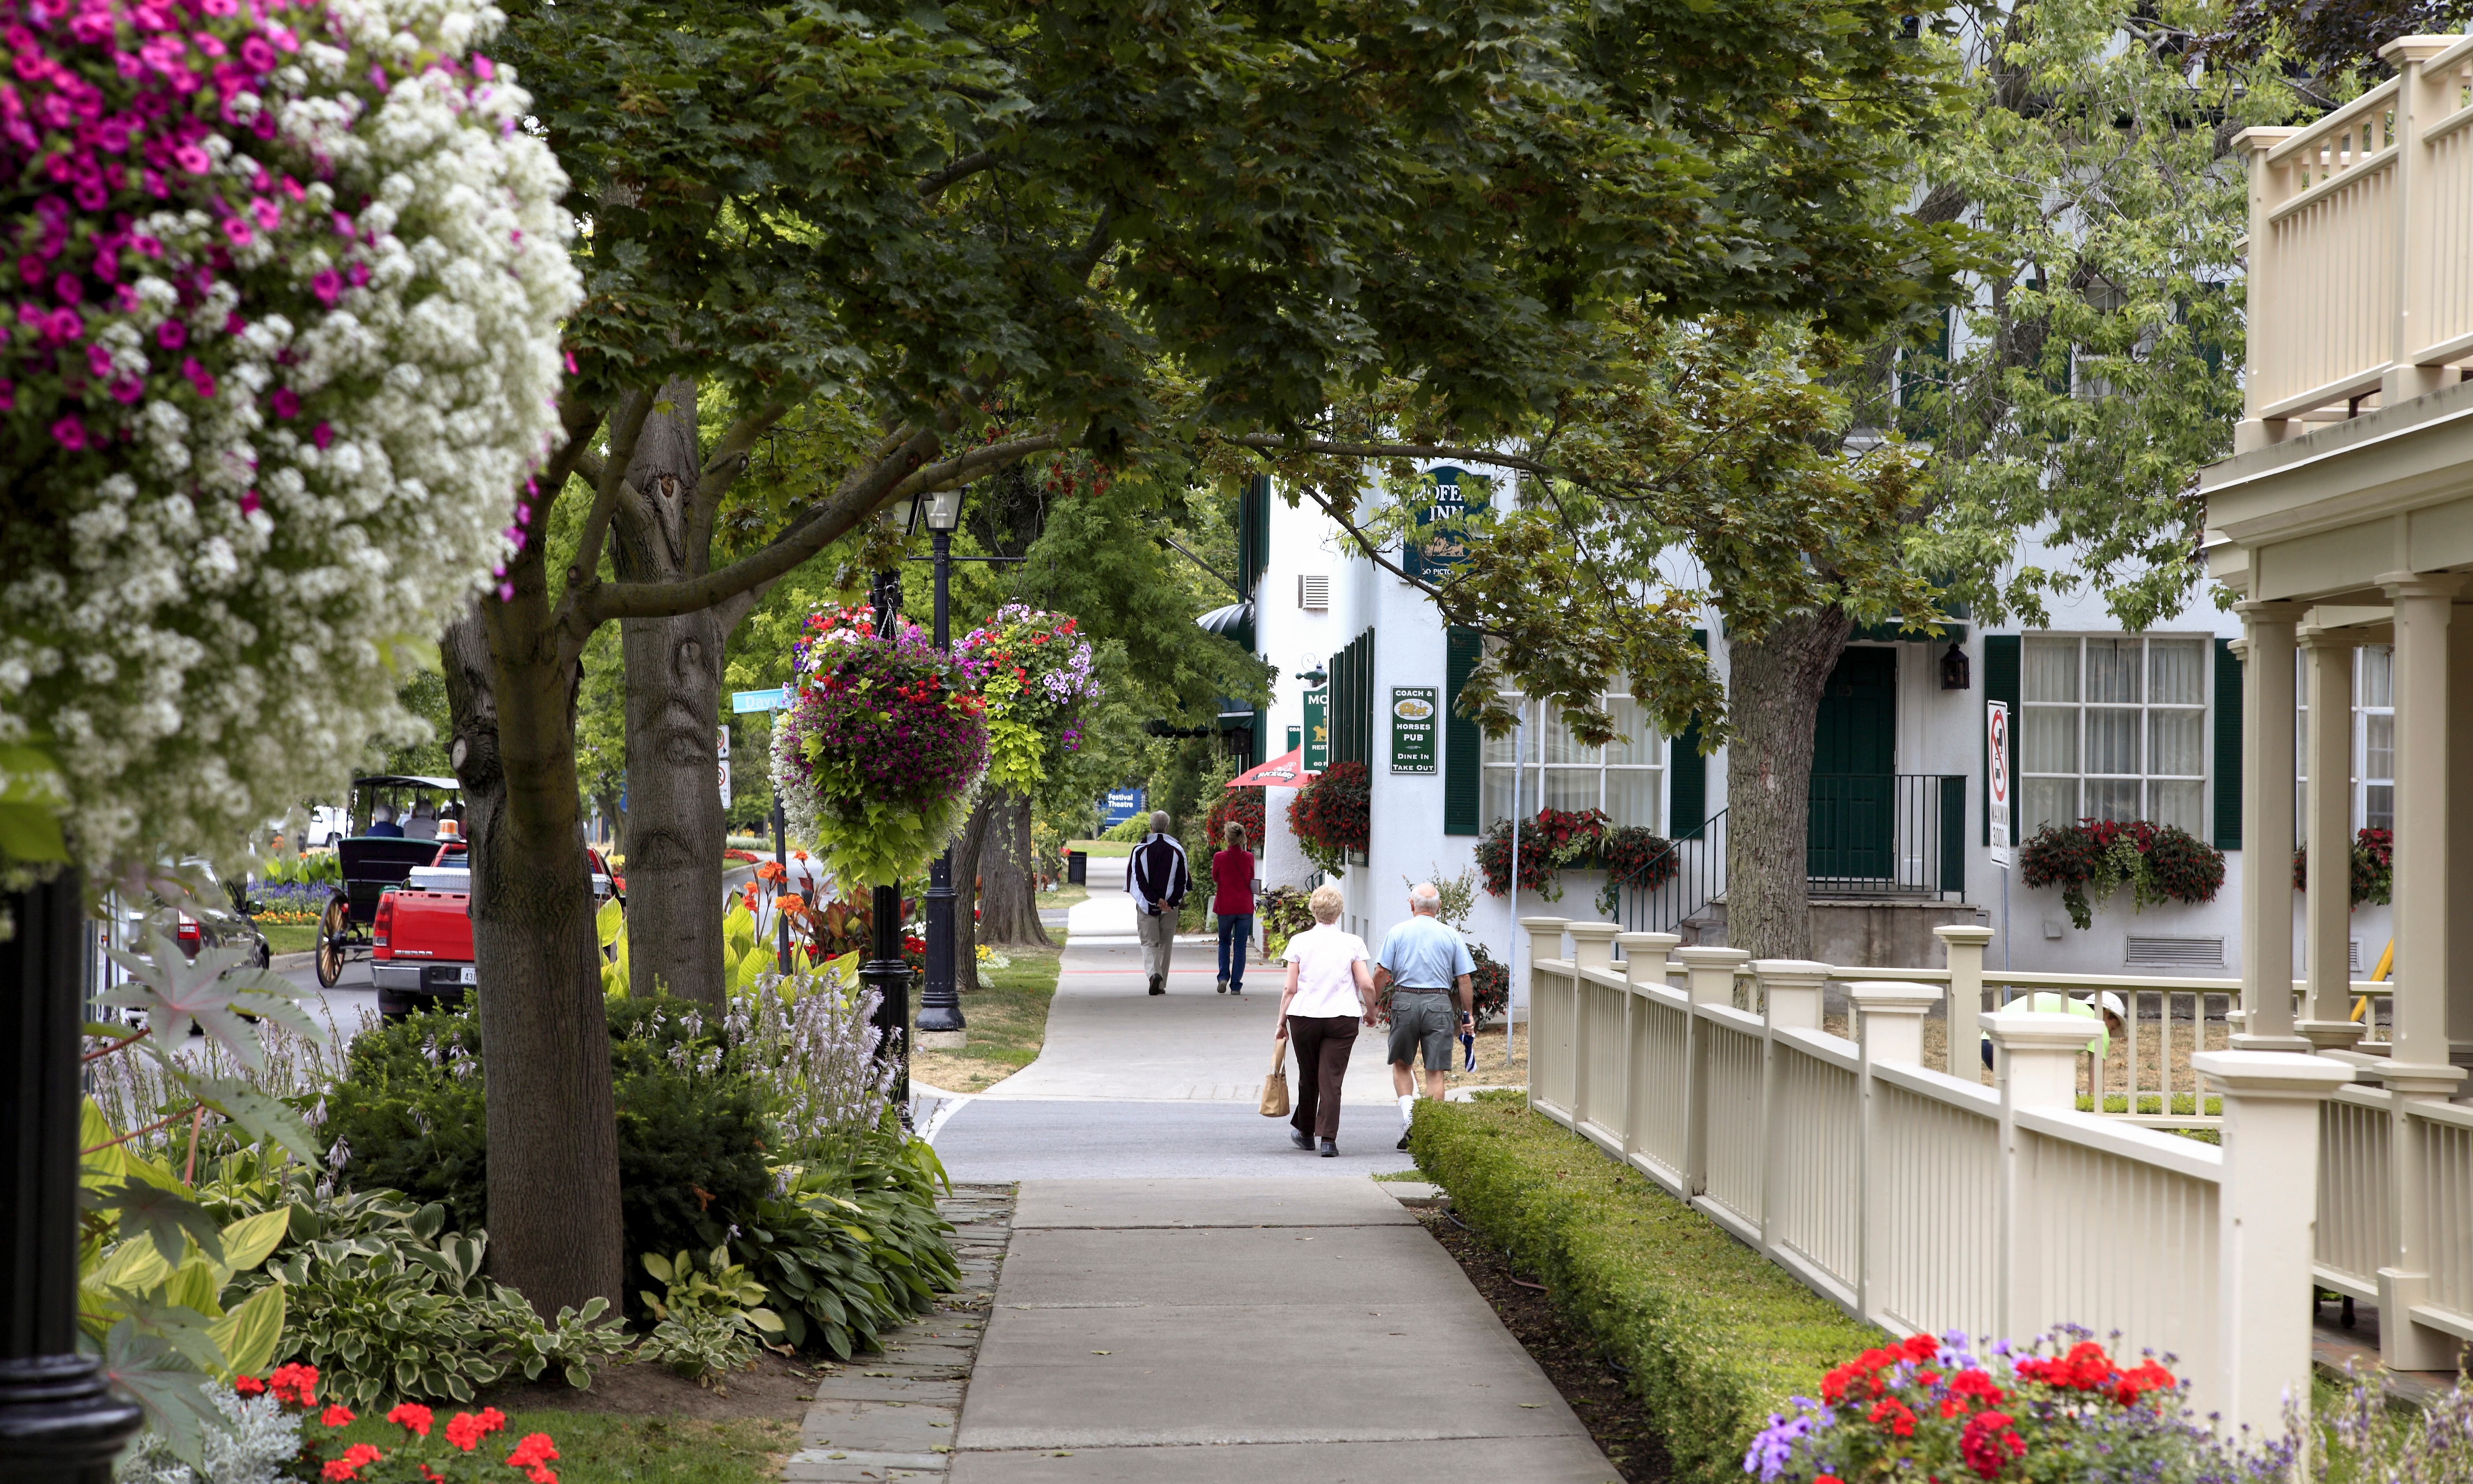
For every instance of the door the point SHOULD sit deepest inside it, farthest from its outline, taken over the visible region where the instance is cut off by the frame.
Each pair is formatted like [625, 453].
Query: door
[1854, 763]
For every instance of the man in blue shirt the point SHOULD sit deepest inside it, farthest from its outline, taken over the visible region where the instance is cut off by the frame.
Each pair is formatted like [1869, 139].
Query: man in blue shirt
[1423, 961]
[382, 824]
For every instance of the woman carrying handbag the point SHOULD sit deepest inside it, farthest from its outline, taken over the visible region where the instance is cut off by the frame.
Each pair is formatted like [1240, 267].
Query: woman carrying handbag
[1329, 994]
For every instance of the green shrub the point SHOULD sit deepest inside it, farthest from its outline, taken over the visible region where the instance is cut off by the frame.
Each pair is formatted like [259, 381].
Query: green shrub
[691, 1132]
[1716, 1337]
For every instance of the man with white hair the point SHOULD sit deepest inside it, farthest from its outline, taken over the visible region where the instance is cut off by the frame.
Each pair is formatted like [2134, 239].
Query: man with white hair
[1157, 879]
[1423, 961]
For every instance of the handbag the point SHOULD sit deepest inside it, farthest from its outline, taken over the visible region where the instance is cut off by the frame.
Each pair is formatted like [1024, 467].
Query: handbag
[1275, 1086]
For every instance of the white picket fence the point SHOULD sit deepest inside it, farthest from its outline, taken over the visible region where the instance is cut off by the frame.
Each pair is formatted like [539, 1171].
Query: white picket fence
[1927, 1202]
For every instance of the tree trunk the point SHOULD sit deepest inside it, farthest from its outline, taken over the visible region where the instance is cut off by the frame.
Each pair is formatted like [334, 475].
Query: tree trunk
[553, 1134]
[1008, 904]
[969, 852]
[1774, 699]
[675, 825]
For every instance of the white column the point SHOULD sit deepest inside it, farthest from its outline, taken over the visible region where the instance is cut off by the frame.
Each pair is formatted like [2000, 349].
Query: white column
[2268, 723]
[1644, 955]
[2418, 1067]
[2037, 1066]
[1964, 946]
[2263, 1233]
[2327, 657]
[1790, 987]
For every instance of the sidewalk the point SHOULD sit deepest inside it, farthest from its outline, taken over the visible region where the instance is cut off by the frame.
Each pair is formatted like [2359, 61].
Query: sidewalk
[1195, 1332]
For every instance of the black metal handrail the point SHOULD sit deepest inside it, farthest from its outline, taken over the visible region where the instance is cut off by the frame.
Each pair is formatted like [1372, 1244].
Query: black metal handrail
[1688, 875]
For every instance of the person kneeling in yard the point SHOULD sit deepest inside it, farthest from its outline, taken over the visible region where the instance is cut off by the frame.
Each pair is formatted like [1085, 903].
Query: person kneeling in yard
[2047, 1003]
[1423, 961]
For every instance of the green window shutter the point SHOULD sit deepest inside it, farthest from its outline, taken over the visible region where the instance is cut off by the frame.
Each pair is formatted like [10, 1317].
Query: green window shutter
[2001, 684]
[1463, 745]
[1352, 701]
[2228, 748]
[1687, 775]
[1253, 533]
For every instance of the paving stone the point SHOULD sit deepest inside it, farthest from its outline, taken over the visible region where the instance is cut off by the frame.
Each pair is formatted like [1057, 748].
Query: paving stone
[845, 1466]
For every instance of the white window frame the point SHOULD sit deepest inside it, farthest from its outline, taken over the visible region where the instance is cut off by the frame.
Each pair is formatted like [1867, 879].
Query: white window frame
[1493, 789]
[2145, 706]
[2365, 716]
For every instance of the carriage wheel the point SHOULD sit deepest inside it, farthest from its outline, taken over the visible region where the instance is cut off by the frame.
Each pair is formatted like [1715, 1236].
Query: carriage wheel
[334, 924]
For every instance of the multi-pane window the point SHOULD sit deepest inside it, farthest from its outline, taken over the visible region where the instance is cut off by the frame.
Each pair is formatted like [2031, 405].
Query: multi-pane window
[2373, 782]
[2112, 728]
[1623, 777]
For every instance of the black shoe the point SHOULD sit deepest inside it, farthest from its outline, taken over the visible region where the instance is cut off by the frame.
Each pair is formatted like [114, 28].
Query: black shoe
[1159, 984]
[1403, 1140]
[1329, 1150]
[1299, 1140]
[1237, 989]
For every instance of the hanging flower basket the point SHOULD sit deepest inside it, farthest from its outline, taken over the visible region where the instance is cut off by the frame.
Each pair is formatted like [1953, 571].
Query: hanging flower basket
[1035, 680]
[881, 749]
[1333, 815]
[2373, 868]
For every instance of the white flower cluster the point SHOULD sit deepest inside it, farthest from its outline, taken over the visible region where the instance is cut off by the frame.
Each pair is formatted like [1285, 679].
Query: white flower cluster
[258, 1439]
[223, 638]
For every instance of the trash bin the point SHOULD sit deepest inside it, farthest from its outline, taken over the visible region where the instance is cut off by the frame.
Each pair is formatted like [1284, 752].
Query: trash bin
[1077, 868]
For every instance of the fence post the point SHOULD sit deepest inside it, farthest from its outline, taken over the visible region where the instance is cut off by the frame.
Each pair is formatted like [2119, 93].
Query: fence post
[1964, 947]
[1643, 963]
[1789, 1001]
[1644, 956]
[1546, 1022]
[1592, 946]
[1712, 973]
[1888, 1032]
[2263, 1233]
[2036, 1064]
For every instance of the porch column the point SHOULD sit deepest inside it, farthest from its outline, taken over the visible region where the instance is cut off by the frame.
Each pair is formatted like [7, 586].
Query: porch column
[2418, 1069]
[2267, 716]
[2328, 903]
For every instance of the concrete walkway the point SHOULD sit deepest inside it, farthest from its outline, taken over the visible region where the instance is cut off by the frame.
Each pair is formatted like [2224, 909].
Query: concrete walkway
[1195, 1332]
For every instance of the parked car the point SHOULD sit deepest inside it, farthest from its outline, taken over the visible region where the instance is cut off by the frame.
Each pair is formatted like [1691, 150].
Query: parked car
[421, 954]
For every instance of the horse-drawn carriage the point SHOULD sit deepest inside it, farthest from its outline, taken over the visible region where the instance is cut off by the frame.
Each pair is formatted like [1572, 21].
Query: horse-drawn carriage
[371, 864]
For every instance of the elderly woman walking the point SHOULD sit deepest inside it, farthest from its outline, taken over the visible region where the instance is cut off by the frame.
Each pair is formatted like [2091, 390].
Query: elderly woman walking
[1329, 994]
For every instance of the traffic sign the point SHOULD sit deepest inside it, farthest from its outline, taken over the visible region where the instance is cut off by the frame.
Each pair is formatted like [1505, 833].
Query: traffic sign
[772, 700]
[1996, 771]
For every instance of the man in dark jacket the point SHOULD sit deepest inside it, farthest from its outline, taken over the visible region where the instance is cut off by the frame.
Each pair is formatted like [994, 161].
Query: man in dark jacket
[1156, 877]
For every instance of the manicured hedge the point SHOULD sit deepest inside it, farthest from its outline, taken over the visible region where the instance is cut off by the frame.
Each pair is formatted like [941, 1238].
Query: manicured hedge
[1714, 1335]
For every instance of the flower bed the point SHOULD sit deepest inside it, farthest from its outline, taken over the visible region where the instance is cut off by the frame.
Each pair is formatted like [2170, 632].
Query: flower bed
[2090, 859]
[881, 749]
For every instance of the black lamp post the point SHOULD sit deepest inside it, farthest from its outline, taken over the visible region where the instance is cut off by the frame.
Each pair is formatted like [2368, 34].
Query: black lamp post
[940, 1005]
[59, 1422]
[886, 970]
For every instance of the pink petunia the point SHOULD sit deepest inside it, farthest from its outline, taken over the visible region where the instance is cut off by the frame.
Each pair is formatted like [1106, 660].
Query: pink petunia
[328, 285]
[127, 389]
[249, 503]
[269, 215]
[69, 289]
[8, 396]
[238, 231]
[71, 434]
[322, 435]
[171, 334]
[193, 160]
[98, 360]
[357, 275]
[343, 225]
[285, 402]
[65, 326]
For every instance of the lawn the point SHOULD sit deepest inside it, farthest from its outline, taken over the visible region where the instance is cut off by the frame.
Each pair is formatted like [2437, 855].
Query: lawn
[289, 936]
[603, 1448]
[1101, 850]
[1008, 1018]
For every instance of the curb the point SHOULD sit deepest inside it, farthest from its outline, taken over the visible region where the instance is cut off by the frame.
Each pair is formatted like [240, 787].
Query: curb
[285, 963]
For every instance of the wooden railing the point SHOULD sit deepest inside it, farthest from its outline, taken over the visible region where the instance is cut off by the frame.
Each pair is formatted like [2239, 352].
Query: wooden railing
[2361, 224]
[1927, 1202]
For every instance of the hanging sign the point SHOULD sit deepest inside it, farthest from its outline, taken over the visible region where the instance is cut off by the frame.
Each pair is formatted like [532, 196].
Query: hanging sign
[1414, 711]
[1997, 776]
[1318, 730]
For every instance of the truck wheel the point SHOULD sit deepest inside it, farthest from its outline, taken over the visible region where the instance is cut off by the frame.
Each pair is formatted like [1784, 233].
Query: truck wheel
[333, 925]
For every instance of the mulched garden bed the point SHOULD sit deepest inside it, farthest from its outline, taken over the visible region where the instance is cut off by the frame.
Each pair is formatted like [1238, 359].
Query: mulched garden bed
[779, 1388]
[1614, 1417]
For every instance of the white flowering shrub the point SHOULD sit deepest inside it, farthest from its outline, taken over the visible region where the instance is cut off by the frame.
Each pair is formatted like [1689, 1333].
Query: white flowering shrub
[284, 285]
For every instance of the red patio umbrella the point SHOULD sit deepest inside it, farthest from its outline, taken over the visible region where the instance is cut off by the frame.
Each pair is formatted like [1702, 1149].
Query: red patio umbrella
[1286, 771]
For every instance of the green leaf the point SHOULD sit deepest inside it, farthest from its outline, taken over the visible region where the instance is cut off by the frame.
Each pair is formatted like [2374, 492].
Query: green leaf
[249, 1335]
[168, 1218]
[150, 1372]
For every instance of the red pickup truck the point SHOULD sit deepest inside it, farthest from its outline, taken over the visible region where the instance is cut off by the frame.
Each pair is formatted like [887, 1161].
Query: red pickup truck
[421, 939]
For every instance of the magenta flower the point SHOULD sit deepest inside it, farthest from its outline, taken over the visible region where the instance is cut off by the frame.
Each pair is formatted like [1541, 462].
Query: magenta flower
[171, 334]
[284, 403]
[71, 434]
[328, 285]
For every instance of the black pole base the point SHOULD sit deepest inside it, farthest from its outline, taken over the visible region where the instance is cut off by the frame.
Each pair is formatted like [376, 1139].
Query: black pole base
[940, 1001]
[60, 1423]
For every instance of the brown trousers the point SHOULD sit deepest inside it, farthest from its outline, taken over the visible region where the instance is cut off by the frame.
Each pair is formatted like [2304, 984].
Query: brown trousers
[1322, 1044]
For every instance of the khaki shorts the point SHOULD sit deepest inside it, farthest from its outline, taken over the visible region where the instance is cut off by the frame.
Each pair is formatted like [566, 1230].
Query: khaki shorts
[1426, 1018]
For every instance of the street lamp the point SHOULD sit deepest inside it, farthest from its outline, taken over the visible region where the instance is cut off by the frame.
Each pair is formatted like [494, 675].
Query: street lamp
[885, 971]
[940, 1004]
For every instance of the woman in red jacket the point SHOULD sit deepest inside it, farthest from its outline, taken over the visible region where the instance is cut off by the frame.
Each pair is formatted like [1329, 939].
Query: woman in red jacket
[1231, 896]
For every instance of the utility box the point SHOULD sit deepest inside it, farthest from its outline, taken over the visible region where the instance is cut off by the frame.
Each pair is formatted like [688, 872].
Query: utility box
[1077, 868]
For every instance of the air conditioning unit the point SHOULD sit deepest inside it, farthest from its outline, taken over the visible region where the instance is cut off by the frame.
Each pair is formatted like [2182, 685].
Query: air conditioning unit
[1313, 591]
[2194, 953]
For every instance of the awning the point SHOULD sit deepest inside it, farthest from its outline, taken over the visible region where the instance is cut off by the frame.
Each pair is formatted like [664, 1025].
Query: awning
[1286, 771]
[1227, 620]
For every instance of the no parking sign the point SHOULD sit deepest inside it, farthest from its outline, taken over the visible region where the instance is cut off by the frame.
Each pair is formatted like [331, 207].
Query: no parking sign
[1996, 792]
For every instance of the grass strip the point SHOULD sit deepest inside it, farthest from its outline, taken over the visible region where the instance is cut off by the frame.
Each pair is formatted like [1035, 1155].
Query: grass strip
[1714, 1335]
[604, 1447]
[1008, 1024]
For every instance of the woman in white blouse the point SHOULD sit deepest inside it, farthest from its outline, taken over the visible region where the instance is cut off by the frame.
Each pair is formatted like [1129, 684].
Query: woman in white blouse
[1329, 994]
